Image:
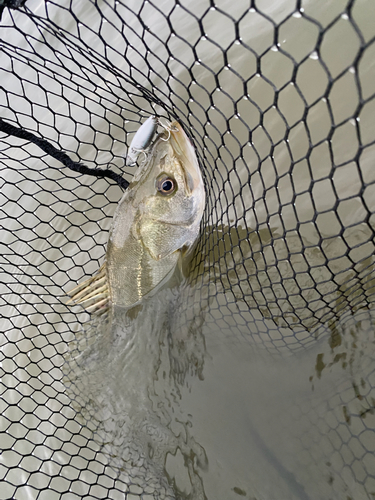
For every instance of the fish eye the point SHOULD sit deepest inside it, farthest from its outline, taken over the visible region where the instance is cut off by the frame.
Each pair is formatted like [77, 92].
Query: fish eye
[166, 185]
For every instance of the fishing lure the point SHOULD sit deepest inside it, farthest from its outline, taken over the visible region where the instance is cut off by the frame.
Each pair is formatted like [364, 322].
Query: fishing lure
[142, 140]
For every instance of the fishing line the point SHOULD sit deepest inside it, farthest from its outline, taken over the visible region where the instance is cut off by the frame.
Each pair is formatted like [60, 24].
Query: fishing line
[62, 157]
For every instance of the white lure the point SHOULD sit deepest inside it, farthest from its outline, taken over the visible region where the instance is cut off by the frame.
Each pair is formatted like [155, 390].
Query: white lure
[141, 140]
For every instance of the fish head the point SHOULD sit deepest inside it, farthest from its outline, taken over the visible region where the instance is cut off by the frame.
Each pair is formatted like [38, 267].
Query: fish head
[157, 220]
[170, 195]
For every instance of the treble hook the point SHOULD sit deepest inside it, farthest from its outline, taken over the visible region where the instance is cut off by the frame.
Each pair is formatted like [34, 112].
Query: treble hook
[168, 129]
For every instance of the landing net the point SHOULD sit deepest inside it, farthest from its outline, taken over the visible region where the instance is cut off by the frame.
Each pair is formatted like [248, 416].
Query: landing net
[279, 100]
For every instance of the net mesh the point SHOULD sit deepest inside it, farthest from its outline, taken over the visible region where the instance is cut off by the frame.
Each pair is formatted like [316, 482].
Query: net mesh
[279, 99]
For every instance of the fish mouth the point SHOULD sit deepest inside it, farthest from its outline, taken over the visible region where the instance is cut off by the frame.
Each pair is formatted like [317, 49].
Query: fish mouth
[185, 152]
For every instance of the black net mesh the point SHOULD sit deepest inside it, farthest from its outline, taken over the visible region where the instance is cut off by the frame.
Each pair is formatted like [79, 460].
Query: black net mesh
[258, 380]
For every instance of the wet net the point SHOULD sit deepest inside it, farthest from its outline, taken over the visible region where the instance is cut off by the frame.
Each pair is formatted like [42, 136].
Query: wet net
[262, 385]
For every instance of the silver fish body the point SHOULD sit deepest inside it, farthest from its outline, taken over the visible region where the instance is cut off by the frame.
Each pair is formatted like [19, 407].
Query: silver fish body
[155, 225]
[151, 229]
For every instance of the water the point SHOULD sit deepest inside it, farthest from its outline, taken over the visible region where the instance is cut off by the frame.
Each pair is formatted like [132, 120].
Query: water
[256, 380]
[224, 409]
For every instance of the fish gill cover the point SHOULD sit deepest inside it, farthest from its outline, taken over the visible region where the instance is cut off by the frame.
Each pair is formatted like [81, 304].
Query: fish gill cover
[252, 376]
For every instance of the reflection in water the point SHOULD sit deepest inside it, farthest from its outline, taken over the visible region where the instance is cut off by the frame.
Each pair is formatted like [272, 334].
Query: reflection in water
[205, 391]
[125, 372]
[299, 284]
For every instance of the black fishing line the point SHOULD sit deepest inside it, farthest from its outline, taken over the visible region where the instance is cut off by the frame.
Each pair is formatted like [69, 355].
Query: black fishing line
[62, 157]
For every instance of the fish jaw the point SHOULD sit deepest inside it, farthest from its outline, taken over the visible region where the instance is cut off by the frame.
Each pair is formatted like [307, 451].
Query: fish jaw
[184, 151]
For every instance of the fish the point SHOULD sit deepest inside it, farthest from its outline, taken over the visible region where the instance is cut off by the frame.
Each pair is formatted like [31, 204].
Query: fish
[155, 226]
[141, 140]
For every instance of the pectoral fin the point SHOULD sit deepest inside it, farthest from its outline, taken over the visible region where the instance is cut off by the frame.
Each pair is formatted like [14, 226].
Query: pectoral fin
[93, 293]
[160, 239]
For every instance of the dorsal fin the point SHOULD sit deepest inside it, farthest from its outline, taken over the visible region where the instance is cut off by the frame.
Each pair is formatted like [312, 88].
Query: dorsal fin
[93, 293]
